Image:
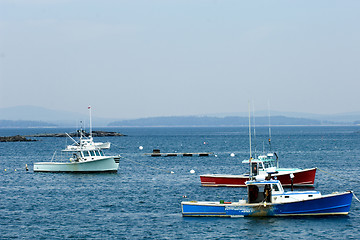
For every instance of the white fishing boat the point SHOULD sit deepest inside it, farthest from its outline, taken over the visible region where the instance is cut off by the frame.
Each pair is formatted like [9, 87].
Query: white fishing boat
[83, 156]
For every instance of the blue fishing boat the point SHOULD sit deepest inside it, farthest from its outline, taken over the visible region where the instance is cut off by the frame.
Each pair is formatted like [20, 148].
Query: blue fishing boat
[267, 198]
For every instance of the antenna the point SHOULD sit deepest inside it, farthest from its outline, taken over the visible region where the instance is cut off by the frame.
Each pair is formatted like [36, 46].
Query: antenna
[254, 129]
[250, 132]
[269, 125]
[89, 107]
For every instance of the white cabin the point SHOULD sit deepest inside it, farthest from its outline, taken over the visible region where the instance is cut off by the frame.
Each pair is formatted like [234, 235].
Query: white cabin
[271, 191]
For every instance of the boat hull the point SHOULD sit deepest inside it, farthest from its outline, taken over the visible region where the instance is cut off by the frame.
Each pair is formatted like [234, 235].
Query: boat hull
[333, 204]
[107, 164]
[305, 177]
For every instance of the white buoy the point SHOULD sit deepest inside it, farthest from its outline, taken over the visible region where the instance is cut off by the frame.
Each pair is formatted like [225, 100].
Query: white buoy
[215, 155]
[171, 172]
[232, 154]
[141, 147]
[192, 171]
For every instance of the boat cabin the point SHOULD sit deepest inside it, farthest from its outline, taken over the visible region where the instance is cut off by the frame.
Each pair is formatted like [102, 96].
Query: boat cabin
[271, 191]
[262, 164]
[263, 191]
[85, 155]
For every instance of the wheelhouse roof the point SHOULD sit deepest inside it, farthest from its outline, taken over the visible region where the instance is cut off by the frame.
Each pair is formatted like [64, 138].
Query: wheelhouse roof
[264, 182]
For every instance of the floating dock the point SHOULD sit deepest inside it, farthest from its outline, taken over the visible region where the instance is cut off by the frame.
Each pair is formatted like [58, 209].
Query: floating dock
[157, 153]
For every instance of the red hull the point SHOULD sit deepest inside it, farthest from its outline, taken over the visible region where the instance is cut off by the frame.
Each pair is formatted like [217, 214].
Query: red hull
[304, 177]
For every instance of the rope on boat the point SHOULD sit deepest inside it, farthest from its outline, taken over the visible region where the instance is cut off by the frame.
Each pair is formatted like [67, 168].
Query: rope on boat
[328, 173]
[353, 180]
[355, 197]
[167, 171]
[336, 175]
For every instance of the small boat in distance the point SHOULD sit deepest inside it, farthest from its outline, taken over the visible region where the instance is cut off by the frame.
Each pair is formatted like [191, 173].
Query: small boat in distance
[265, 163]
[267, 198]
[83, 156]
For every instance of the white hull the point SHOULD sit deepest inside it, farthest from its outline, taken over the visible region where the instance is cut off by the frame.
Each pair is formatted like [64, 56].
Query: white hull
[106, 164]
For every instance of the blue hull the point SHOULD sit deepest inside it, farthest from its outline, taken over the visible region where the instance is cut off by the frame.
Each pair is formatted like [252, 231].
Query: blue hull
[334, 204]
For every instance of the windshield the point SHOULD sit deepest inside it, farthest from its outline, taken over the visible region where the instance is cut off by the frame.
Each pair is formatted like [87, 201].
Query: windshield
[268, 164]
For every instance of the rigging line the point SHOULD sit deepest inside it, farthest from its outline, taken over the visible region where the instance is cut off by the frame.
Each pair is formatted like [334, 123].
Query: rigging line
[167, 171]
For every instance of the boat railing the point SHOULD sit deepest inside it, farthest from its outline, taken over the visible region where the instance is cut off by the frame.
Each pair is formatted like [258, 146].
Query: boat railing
[53, 156]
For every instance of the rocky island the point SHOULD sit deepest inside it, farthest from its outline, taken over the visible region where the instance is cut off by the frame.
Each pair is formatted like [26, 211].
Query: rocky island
[19, 138]
[16, 138]
[77, 134]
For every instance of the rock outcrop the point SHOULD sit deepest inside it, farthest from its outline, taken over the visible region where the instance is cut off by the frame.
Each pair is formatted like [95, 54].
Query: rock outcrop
[16, 138]
[76, 134]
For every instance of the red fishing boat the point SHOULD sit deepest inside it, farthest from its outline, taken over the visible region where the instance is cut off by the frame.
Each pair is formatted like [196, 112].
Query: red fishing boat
[301, 177]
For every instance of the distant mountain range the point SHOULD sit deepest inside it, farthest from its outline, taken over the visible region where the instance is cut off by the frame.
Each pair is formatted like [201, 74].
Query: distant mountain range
[21, 114]
[30, 116]
[212, 121]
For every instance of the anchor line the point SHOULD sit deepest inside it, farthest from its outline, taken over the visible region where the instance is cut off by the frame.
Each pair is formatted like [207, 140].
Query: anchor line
[329, 173]
[355, 197]
[117, 146]
[336, 175]
[167, 171]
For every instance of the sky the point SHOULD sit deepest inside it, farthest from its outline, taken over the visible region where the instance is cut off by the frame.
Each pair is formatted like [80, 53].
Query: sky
[145, 58]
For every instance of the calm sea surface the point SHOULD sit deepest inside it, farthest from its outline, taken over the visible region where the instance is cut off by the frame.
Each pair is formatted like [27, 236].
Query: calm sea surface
[142, 201]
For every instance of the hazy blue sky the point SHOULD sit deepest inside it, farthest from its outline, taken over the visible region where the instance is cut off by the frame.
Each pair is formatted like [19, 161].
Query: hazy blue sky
[176, 57]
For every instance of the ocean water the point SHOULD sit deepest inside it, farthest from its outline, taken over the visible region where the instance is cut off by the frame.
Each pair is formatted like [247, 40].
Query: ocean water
[142, 200]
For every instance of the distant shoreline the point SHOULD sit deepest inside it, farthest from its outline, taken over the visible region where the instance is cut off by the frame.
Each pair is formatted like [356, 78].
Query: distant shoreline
[189, 126]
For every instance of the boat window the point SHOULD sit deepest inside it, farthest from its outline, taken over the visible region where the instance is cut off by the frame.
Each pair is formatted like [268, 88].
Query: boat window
[101, 153]
[261, 166]
[268, 164]
[275, 187]
[85, 153]
[254, 169]
[92, 153]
